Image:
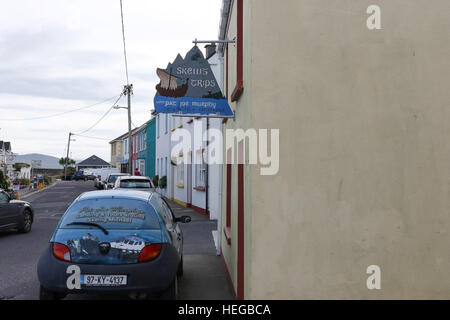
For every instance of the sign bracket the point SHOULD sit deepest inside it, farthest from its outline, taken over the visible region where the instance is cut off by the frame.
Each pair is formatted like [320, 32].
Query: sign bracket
[213, 41]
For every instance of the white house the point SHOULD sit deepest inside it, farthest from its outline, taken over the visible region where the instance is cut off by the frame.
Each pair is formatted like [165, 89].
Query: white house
[187, 183]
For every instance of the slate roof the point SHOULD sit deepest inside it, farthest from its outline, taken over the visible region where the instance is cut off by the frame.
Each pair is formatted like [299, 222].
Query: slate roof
[5, 145]
[93, 161]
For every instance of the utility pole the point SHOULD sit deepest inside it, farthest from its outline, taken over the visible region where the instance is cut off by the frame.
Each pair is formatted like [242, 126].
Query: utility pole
[128, 91]
[67, 157]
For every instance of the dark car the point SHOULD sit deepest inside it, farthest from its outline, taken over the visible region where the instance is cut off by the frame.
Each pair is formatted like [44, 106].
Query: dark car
[111, 180]
[90, 177]
[79, 175]
[121, 241]
[15, 214]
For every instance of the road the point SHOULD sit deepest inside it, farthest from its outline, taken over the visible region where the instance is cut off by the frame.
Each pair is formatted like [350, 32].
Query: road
[204, 277]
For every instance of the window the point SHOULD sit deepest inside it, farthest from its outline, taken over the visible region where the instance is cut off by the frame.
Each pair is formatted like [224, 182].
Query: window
[145, 140]
[167, 122]
[157, 125]
[200, 170]
[145, 216]
[157, 167]
[135, 184]
[166, 167]
[142, 167]
[180, 175]
[237, 92]
[3, 197]
[163, 210]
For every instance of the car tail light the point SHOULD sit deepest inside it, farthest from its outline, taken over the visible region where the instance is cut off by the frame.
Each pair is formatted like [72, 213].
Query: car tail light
[61, 252]
[150, 252]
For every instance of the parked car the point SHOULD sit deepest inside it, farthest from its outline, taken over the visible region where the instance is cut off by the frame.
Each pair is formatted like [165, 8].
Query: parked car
[139, 254]
[79, 175]
[15, 214]
[111, 180]
[98, 182]
[134, 182]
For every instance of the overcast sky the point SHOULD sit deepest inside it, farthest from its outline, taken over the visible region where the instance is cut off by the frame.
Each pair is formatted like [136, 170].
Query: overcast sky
[59, 55]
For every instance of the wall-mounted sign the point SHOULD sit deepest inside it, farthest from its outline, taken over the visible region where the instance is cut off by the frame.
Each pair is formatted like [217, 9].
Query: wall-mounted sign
[188, 86]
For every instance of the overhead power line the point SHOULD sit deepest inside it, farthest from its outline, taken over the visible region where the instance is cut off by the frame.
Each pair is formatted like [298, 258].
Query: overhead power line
[90, 137]
[124, 45]
[60, 113]
[102, 117]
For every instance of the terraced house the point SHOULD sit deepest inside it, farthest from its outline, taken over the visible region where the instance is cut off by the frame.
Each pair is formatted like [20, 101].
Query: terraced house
[364, 152]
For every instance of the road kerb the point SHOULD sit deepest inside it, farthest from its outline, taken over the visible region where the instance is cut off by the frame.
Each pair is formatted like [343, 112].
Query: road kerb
[37, 191]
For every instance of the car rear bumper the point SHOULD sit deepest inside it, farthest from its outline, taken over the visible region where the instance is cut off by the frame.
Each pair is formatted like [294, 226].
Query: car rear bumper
[147, 277]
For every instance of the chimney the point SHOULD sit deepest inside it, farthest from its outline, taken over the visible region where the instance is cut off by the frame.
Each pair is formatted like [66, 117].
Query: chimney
[210, 50]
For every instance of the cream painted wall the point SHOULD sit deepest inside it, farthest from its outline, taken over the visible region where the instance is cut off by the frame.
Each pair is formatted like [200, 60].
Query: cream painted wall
[365, 172]
[364, 151]
[243, 112]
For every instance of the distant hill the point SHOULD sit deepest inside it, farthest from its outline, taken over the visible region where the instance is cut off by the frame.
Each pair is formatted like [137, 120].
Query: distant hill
[48, 162]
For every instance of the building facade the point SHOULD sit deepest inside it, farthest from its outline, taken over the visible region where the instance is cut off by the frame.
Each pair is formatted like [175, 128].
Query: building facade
[117, 152]
[150, 148]
[363, 149]
[125, 148]
[164, 124]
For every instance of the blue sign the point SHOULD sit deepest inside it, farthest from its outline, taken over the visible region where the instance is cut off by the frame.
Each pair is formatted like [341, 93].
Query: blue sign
[188, 86]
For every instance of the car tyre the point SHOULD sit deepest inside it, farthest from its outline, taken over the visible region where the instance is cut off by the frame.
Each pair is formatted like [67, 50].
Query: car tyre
[171, 292]
[180, 268]
[45, 294]
[27, 222]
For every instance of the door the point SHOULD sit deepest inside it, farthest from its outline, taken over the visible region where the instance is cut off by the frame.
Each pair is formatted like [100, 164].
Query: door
[172, 179]
[172, 226]
[7, 216]
[189, 182]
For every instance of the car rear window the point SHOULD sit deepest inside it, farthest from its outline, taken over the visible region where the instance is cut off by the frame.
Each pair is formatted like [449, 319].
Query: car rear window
[112, 214]
[112, 179]
[135, 183]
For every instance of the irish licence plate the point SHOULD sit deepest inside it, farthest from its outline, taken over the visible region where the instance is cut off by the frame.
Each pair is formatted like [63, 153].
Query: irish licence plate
[103, 280]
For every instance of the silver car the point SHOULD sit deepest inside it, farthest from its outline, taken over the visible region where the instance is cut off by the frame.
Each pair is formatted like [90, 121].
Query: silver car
[134, 182]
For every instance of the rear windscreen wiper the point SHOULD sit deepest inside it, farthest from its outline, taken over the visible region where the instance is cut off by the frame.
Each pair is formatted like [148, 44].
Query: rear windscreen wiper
[89, 224]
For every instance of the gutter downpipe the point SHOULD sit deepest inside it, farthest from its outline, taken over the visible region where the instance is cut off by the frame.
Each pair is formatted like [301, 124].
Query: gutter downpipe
[224, 22]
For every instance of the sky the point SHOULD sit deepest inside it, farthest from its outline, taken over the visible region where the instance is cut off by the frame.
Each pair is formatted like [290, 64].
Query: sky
[61, 55]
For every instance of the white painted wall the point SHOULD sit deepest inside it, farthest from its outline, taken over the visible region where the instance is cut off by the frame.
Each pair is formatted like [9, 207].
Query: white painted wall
[163, 149]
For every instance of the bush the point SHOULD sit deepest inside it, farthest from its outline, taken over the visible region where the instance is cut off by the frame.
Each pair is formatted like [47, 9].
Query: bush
[155, 181]
[163, 182]
[4, 184]
[24, 182]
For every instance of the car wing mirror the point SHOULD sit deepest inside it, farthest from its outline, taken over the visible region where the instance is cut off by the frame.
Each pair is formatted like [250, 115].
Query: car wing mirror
[184, 219]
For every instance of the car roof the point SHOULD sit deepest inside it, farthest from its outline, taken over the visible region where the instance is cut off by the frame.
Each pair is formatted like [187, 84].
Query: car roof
[131, 194]
[117, 174]
[135, 177]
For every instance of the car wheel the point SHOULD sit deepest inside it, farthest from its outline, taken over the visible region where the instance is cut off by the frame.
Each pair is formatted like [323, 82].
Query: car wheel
[171, 292]
[180, 268]
[27, 221]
